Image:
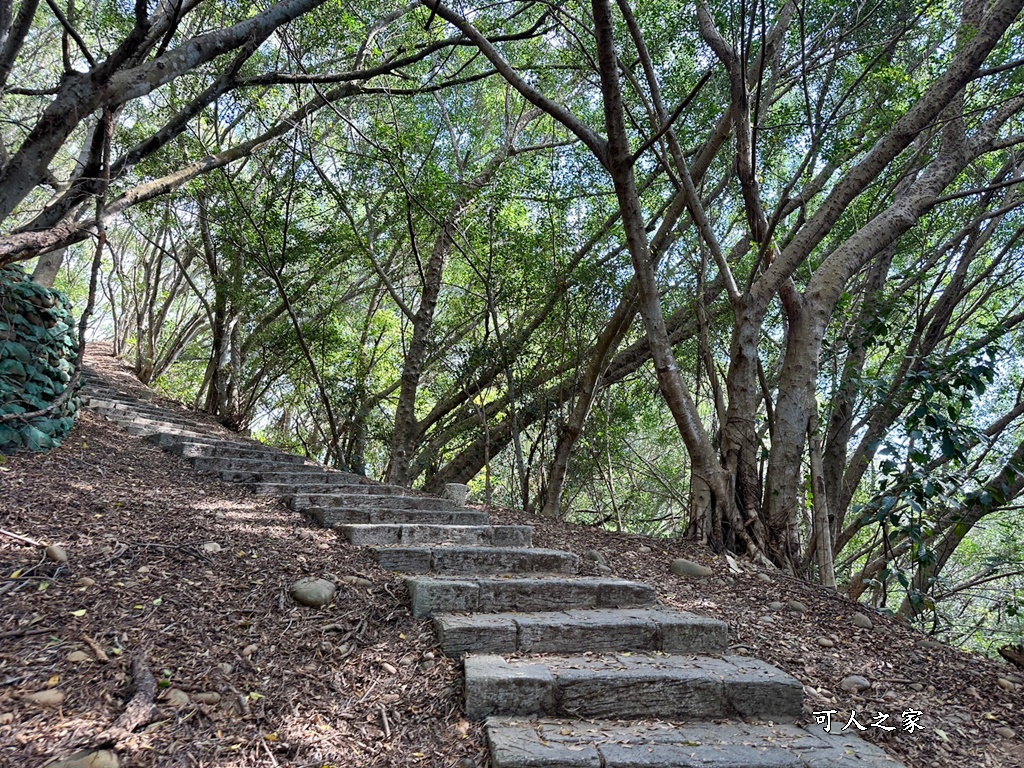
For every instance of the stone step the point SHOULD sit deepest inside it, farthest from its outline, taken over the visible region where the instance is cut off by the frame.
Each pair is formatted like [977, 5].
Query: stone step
[330, 517]
[486, 560]
[131, 415]
[392, 535]
[436, 594]
[546, 743]
[301, 501]
[278, 483]
[195, 450]
[308, 475]
[127, 418]
[166, 440]
[625, 686]
[599, 630]
[254, 467]
[134, 405]
[145, 430]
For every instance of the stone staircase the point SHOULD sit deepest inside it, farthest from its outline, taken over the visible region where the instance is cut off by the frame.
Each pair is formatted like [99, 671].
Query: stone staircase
[566, 671]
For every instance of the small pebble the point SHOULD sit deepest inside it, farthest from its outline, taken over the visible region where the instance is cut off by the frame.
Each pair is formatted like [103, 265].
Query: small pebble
[861, 620]
[825, 642]
[226, 668]
[776, 606]
[177, 698]
[855, 683]
[249, 650]
[1006, 733]
[596, 556]
[389, 668]
[644, 550]
[683, 567]
[101, 759]
[52, 697]
[206, 697]
[85, 581]
[210, 547]
[1005, 684]
[56, 554]
[764, 577]
[77, 657]
[796, 606]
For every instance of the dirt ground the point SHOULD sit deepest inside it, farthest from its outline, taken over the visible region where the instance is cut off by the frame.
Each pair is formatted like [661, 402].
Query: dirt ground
[242, 676]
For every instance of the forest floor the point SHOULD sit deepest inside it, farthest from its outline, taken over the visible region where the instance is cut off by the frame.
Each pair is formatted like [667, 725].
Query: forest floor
[245, 677]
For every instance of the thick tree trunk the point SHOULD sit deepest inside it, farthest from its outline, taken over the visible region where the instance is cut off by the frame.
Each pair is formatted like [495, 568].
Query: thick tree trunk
[407, 432]
[48, 267]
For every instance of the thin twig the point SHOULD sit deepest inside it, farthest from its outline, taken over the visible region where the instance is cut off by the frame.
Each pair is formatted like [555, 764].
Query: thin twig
[22, 539]
[97, 651]
[25, 632]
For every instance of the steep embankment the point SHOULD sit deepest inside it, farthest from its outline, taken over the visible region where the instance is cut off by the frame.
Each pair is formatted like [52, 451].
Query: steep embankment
[353, 684]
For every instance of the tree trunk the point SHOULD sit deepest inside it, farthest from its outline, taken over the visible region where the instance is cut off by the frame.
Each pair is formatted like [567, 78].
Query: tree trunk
[407, 432]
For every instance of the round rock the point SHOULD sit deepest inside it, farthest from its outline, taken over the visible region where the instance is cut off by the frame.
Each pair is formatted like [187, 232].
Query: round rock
[77, 657]
[855, 683]
[312, 592]
[775, 606]
[100, 759]
[210, 547]
[1006, 685]
[1006, 733]
[825, 642]
[764, 577]
[56, 554]
[176, 698]
[644, 550]
[52, 697]
[796, 606]
[683, 567]
[596, 556]
[861, 620]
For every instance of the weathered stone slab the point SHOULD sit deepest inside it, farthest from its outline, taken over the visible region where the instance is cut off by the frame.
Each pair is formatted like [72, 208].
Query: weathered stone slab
[617, 686]
[499, 687]
[497, 595]
[369, 500]
[194, 450]
[486, 560]
[519, 746]
[839, 750]
[476, 633]
[392, 535]
[633, 691]
[547, 743]
[690, 633]
[754, 688]
[431, 595]
[600, 630]
[224, 463]
[330, 517]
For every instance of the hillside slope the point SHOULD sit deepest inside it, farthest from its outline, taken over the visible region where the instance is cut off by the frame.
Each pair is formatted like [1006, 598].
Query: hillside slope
[360, 683]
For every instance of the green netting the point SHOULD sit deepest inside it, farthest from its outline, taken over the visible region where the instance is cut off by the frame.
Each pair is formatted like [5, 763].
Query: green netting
[38, 347]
